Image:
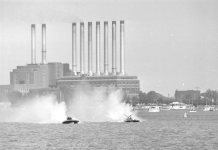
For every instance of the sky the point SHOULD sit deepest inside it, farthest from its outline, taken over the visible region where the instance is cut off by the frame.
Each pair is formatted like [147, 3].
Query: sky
[169, 44]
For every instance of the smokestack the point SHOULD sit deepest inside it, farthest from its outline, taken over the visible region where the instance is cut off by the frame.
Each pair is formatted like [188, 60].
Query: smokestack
[44, 44]
[90, 48]
[122, 50]
[98, 48]
[82, 54]
[106, 48]
[74, 71]
[114, 52]
[33, 44]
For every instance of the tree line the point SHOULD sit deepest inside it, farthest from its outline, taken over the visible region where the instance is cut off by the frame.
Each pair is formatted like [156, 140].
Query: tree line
[210, 97]
[153, 97]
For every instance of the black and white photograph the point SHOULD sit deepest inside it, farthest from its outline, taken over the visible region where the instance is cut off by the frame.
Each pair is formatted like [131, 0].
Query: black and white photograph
[109, 74]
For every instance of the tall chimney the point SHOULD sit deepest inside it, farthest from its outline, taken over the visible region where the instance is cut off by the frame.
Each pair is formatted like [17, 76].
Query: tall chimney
[114, 52]
[98, 48]
[74, 71]
[82, 54]
[106, 48]
[122, 49]
[33, 44]
[44, 44]
[90, 48]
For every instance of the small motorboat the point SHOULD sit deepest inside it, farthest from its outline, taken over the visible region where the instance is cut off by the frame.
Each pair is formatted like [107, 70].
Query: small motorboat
[212, 109]
[154, 109]
[192, 110]
[70, 120]
[166, 107]
[129, 119]
[207, 108]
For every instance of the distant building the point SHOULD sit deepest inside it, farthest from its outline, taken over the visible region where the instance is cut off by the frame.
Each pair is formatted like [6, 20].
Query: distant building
[130, 85]
[34, 76]
[185, 95]
[39, 78]
[66, 69]
[55, 72]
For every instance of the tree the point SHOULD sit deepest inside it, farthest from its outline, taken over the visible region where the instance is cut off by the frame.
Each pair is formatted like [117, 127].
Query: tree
[153, 97]
[142, 97]
[160, 100]
[135, 100]
[211, 96]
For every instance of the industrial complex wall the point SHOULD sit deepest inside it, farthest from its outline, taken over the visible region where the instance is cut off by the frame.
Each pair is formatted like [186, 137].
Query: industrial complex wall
[129, 84]
[189, 94]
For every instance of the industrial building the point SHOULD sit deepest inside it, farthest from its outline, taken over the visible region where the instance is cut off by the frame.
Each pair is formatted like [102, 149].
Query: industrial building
[46, 75]
[35, 75]
[39, 75]
[118, 79]
[180, 96]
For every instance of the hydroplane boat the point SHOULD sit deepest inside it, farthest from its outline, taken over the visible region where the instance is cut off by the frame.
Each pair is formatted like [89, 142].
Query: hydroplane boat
[129, 119]
[70, 120]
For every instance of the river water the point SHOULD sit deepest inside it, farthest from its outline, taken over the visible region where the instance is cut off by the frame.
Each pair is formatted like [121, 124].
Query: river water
[163, 130]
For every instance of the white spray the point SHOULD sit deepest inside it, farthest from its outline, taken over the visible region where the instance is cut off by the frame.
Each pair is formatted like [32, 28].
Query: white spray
[41, 109]
[95, 105]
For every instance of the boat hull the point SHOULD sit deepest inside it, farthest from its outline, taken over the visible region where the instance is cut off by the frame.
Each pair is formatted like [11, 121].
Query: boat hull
[132, 121]
[192, 111]
[154, 109]
[70, 121]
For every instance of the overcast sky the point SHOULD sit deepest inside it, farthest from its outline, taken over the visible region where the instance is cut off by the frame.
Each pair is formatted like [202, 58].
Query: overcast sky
[169, 44]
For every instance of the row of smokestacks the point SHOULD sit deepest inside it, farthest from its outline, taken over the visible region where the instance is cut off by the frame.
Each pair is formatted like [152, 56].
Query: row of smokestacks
[90, 53]
[33, 44]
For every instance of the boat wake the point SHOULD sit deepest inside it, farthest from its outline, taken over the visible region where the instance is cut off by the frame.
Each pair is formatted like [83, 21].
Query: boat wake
[95, 106]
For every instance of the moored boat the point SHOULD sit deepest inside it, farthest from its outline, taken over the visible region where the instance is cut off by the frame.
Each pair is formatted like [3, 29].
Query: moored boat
[165, 107]
[178, 105]
[207, 108]
[154, 109]
[212, 109]
[192, 110]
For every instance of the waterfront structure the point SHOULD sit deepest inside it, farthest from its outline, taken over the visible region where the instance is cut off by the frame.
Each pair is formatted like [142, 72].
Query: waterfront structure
[34, 75]
[180, 96]
[130, 85]
[31, 74]
[45, 75]
[177, 105]
[66, 69]
[56, 70]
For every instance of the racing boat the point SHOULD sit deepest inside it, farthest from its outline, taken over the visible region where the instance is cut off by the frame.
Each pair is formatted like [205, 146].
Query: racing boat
[129, 119]
[70, 120]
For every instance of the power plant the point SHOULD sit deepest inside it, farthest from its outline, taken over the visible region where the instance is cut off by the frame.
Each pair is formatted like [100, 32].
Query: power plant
[56, 74]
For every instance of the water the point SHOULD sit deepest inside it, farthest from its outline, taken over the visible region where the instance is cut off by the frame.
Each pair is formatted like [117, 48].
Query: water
[164, 130]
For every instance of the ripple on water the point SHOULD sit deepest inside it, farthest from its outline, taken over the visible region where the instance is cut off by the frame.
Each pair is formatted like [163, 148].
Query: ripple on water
[166, 130]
